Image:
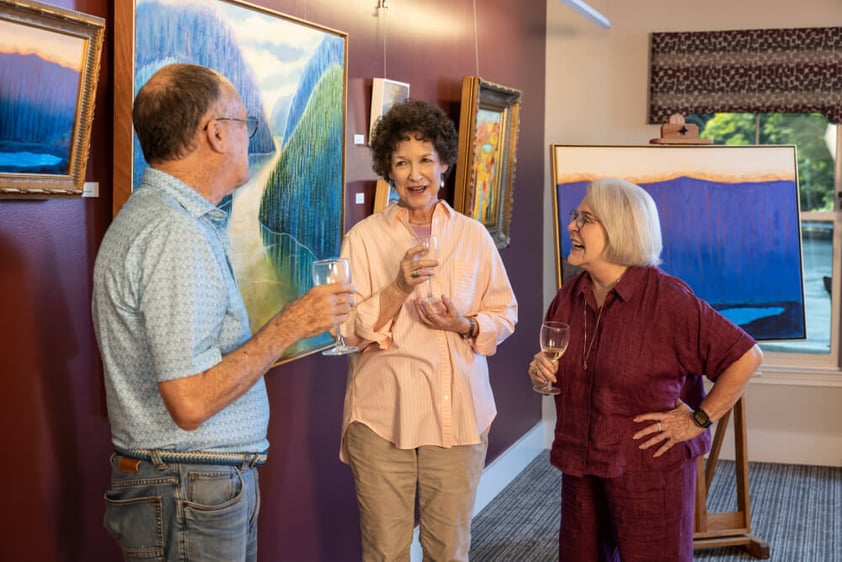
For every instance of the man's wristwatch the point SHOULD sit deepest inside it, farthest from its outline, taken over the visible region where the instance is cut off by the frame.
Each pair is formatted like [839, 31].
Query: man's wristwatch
[471, 329]
[701, 418]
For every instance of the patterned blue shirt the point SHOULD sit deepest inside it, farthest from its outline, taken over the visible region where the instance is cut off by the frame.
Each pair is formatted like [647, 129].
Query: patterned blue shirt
[165, 306]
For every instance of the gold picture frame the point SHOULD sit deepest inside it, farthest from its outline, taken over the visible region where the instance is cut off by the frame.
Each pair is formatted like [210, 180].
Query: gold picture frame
[384, 195]
[49, 68]
[488, 133]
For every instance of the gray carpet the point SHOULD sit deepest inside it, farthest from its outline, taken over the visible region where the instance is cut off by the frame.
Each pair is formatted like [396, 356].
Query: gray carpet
[796, 509]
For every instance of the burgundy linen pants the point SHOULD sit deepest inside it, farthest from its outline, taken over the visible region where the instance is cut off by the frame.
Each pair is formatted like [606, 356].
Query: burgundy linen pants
[636, 517]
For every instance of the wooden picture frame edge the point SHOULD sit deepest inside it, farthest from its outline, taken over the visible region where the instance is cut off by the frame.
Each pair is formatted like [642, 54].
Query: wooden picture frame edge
[477, 94]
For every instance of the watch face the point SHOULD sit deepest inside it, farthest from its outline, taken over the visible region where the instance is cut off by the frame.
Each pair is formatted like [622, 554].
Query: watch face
[701, 418]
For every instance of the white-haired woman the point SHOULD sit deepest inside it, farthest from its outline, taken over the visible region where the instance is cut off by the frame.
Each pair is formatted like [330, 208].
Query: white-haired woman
[632, 415]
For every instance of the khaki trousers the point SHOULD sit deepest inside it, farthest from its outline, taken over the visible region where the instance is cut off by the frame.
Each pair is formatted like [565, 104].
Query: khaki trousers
[386, 479]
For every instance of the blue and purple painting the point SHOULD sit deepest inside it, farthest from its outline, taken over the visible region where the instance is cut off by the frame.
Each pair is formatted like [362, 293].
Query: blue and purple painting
[729, 219]
[40, 73]
[292, 76]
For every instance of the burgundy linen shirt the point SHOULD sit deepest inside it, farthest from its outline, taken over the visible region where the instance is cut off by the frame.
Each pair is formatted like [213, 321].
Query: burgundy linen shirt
[654, 342]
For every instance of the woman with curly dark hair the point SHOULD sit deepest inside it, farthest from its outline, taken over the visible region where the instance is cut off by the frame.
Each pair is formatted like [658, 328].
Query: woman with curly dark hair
[418, 404]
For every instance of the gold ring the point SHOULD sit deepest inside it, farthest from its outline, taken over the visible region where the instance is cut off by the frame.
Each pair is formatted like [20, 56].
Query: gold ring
[660, 429]
[415, 275]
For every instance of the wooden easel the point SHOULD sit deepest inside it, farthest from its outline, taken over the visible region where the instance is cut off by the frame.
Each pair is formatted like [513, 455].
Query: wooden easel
[727, 528]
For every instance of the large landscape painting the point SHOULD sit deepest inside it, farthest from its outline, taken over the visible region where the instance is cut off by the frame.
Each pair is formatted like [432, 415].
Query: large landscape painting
[292, 77]
[729, 218]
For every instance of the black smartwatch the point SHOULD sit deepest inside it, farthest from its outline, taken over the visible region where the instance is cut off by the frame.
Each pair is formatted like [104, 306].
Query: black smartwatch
[701, 418]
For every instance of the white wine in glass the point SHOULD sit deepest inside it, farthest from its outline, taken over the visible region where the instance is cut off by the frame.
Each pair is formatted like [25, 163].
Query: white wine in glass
[334, 270]
[554, 338]
[431, 243]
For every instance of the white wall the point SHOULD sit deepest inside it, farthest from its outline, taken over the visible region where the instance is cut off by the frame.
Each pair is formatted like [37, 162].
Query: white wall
[597, 94]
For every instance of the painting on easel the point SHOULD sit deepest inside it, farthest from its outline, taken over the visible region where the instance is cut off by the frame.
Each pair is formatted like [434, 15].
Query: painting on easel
[729, 219]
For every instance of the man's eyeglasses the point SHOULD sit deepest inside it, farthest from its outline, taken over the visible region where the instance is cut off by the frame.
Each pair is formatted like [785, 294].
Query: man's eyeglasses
[581, 218]
[250, 121]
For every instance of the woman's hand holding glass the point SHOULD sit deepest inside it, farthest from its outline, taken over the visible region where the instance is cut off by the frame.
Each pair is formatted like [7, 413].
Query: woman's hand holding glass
[431, 244]
[414, 269]
[554, 337]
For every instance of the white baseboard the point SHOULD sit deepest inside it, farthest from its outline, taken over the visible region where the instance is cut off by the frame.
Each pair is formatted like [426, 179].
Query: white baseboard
[499, 474]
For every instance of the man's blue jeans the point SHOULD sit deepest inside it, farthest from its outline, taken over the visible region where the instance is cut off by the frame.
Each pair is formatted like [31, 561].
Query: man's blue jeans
[183, 512]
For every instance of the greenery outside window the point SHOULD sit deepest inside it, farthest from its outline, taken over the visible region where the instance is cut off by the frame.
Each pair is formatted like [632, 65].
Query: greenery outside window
[817, 144]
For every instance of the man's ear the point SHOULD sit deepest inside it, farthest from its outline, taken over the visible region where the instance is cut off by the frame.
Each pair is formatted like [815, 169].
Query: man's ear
[214, 134]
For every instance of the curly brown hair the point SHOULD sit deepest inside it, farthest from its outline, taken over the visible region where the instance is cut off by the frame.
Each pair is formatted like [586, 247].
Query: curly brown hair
[412, 119]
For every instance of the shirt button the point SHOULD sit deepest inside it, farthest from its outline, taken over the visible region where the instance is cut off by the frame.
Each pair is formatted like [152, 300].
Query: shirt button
[447, 397]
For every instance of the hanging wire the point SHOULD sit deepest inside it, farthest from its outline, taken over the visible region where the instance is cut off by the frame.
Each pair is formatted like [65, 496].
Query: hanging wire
[382, 5]
[476, 39]
[383, 9]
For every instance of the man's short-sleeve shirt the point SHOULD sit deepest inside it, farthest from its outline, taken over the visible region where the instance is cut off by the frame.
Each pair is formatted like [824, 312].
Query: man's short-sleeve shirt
[165, 306]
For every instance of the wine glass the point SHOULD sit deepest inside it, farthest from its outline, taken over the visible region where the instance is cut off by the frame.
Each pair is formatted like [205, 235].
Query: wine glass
[334, 270]
[431, 243]
[553, 339]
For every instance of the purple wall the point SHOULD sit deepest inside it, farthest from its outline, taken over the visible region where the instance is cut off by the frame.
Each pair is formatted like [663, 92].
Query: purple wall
[53, 413]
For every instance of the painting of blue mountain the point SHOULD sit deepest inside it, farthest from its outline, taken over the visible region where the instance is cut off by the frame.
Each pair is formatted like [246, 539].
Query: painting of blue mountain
[292, 76]
[729, 220]
[40, 72]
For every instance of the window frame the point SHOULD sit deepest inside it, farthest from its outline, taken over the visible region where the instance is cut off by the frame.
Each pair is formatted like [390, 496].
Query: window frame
[782, 367]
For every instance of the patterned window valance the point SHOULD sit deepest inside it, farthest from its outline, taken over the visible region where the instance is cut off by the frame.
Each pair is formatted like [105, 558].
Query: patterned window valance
[751, 71]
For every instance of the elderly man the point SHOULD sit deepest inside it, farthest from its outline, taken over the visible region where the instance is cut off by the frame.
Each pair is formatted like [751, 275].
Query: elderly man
[183, 373]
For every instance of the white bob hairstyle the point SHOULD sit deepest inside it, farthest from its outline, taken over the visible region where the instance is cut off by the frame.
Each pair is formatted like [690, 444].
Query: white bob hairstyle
[630, 218]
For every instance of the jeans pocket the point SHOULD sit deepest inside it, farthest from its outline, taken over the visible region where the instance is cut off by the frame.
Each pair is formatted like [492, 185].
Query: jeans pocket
[136, 525]
[218, 510]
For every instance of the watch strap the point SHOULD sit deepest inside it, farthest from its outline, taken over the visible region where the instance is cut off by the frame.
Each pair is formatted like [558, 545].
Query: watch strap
[701, 418]
[472, 326]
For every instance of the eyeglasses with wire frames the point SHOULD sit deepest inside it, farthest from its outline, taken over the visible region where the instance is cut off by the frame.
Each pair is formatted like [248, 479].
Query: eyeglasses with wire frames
[581, 218]
[250, 121]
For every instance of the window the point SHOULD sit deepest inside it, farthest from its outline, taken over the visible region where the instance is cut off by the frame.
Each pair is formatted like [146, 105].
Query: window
[817, 145]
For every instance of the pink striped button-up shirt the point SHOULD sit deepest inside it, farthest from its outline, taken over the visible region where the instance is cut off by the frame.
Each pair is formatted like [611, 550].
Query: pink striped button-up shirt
[411, 384]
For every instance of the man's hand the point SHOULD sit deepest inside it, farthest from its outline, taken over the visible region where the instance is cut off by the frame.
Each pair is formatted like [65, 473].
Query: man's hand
[318, 310]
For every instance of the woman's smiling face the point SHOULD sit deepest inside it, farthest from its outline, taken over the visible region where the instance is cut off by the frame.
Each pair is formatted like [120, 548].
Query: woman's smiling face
[587, 236]
[416, 171]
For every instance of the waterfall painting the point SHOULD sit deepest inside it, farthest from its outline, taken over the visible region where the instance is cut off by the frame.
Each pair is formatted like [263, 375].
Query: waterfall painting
[729, 219]
[292, 76]
[49, 65]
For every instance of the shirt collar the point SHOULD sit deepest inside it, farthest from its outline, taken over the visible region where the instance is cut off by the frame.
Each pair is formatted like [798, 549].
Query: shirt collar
[190, 199]
[629, 284]
[395, 214]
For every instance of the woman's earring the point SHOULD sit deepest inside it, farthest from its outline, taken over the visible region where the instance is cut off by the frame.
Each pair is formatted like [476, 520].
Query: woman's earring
[441, 183]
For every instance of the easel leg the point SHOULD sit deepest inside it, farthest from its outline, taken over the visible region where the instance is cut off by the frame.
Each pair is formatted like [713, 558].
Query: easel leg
[731, 528]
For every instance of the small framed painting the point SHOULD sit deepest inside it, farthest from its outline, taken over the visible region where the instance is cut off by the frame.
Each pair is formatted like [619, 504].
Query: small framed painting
[485, 172]
[49, 66]
[384, 94]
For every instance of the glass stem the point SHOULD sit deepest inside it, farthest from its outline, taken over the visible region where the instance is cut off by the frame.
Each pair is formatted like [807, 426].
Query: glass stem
[340, 341]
